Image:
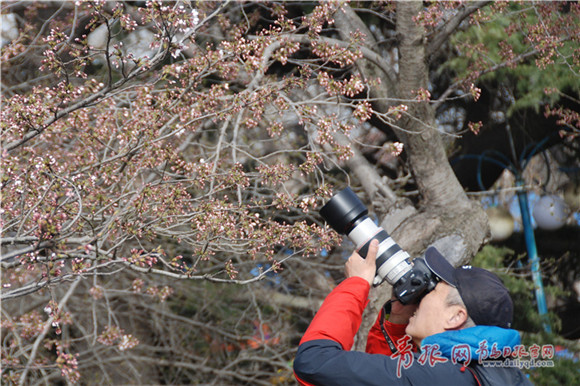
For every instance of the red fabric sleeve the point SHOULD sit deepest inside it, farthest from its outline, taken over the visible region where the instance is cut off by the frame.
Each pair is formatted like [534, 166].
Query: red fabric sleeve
[376, 343]
[340, 315]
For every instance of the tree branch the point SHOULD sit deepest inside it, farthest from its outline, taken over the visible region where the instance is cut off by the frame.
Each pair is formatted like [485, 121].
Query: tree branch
[367, 53]
[348, 21]
[458, 83]
[451, 26]
[45, 330]
[367, 174]
[138, 70]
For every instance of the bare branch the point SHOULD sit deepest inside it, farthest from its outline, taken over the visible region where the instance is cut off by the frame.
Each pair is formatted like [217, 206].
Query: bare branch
[451, 26]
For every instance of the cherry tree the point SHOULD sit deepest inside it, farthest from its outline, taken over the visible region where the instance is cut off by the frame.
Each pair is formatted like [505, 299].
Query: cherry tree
[163, 160]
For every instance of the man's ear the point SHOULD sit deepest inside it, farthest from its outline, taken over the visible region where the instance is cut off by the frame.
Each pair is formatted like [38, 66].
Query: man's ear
[456, 317]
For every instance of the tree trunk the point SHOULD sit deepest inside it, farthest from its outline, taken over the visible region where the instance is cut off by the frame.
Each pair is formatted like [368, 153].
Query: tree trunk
[446, 218]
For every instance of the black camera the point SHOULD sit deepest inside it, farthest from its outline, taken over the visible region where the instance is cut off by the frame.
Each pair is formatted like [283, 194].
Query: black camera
[347, 215]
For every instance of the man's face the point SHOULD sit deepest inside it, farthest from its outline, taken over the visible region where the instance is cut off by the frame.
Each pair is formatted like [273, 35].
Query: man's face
[430, 317]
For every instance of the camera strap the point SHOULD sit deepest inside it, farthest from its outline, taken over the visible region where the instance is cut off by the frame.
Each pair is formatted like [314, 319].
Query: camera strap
[384, 312]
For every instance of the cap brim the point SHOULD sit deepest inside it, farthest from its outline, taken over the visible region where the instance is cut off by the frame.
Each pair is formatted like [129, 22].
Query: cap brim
[440, 266]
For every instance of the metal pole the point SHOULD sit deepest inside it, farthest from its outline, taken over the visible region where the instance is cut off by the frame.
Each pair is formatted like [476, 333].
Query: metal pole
[533, 254]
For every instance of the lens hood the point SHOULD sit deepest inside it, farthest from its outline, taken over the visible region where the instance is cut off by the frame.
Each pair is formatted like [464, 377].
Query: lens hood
[342, 211]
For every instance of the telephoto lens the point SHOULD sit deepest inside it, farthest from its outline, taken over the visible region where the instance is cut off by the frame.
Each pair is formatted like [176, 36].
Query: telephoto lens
[347, 215]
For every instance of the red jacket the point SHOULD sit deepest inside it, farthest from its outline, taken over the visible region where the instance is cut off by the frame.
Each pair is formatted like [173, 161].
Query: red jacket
[376, 341]
[325, 326]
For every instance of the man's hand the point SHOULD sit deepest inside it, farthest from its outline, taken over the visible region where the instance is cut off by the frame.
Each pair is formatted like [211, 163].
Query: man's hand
[401, 313]
[365, 268]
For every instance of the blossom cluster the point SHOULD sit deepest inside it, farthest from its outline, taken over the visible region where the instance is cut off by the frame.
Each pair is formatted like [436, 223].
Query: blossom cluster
[68, 365]
[113, 335]
[349, 87]
[159, 293]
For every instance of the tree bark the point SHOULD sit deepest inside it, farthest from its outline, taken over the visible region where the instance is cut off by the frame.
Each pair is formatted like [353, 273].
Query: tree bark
[434, 176]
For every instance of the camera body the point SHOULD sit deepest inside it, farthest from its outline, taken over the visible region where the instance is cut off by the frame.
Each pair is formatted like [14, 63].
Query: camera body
[347, 215]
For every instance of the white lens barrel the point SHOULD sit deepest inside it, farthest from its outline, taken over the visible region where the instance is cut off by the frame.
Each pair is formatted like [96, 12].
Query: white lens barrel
[396, 265]
[363, 232]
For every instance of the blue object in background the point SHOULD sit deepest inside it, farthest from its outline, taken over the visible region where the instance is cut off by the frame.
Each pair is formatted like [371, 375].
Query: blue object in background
[533, 255]
[273, 277]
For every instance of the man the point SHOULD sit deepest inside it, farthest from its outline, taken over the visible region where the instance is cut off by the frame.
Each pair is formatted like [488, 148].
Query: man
[466, 316]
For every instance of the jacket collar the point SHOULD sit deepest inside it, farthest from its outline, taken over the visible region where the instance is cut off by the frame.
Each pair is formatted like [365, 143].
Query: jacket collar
[476, 338]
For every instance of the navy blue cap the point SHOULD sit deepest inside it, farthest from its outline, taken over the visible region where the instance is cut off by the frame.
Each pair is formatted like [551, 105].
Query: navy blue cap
[487, 300]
